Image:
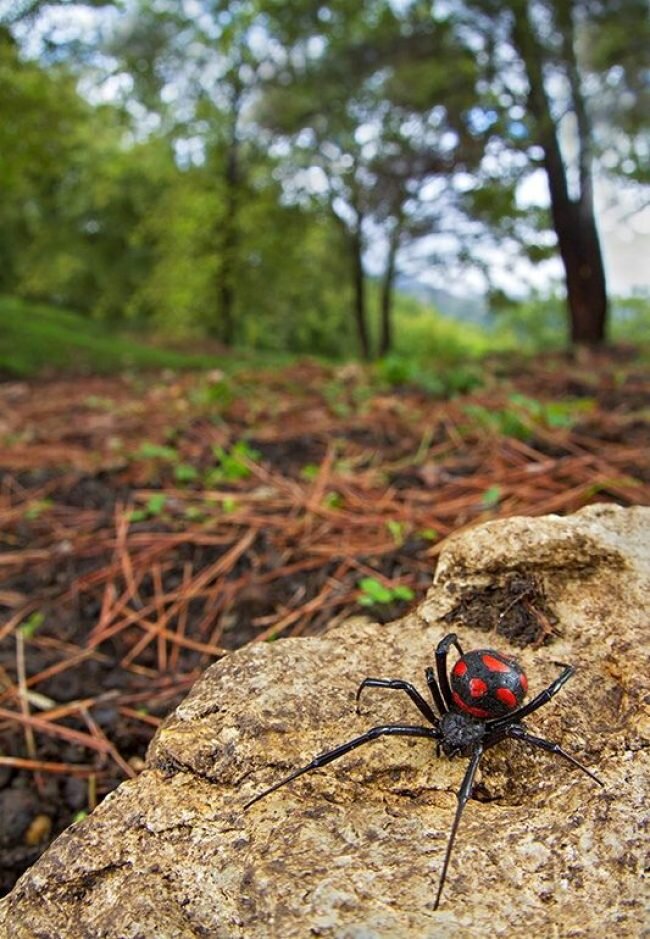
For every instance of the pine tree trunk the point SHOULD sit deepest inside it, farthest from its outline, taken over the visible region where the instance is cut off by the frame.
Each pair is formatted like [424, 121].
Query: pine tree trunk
[359, 288]
[228, 249]
[574, 219]
[387, 293]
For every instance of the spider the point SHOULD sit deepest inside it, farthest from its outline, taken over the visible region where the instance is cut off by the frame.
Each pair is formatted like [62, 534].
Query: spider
[479, 707]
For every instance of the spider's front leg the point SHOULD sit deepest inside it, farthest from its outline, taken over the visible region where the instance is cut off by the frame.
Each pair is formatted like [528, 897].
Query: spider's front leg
[397, 730]
[398, 684]
[517, 732]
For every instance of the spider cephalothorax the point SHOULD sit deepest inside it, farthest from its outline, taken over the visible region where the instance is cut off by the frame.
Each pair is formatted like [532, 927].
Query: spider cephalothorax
[480, 707]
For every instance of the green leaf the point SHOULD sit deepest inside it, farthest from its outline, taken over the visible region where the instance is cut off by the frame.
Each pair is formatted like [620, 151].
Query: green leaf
[429, 534]
[397, 530]
[36, 509]
[185, 473]
[491, 497]
[157, 451]
[374, 593]
[156, 503]
[310, 471]
[32, 624]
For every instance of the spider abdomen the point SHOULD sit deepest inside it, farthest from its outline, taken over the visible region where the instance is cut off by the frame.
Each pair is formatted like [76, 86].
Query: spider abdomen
[487, 684]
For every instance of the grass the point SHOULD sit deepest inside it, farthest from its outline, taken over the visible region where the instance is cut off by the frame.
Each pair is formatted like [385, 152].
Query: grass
[433, 352]
[36, 338]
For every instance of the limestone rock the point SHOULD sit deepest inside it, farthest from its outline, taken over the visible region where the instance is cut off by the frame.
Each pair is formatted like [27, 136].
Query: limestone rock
[354, 850]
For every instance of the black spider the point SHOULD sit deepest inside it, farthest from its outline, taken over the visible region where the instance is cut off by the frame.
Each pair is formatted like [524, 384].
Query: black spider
[479, 708]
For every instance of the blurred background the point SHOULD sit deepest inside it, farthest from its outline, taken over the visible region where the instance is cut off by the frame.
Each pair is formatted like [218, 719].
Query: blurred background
[290, 291]
[329, 177]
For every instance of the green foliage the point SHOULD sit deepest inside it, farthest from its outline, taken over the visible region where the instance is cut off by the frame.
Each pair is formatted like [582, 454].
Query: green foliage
[491, 497]
[154, 506]
[431, 375]
[525, 414]
[234, 464]
[631, 318]
[374, 593]
[32, 624]
[37, 508]
[34, 338]
[156, 451]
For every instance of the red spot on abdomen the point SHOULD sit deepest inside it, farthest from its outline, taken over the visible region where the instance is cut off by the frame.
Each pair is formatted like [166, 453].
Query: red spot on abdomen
[506, 697]
[495, 665]
[468, 708]
[459, 669]
[477, 687]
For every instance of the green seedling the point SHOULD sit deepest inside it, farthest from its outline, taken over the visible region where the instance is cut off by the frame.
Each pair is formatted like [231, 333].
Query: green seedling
[397, 531]
[157, 451]
[429, 534]
[36, 509]
[234, 464]
[374, 593]
[491, 497]
[154, 506]
[185, 473]
[32, 624]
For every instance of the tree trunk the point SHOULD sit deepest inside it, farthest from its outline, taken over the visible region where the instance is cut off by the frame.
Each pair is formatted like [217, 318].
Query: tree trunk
[228, 249]
[228, 232]
[574, 220]
[387, 293]
[359, 288]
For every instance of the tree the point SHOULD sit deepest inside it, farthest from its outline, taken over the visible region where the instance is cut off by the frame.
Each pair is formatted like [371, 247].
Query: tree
[544, 87]
[360, 100]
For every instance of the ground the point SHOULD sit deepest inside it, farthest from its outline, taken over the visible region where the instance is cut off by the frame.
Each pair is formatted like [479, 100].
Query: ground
[151, 523]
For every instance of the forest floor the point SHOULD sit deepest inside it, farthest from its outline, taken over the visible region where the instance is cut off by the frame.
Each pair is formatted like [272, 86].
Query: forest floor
[151, 523]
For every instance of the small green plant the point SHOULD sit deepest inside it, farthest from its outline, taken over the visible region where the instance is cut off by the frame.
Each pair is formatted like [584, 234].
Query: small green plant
[155, 505]
[554, 413]
[336, 394]
[193, 513]
[35, 509]
[310, 471]
[211, 393]
[508, 423]
[185, 473]
[333, 500]
[234, 464]
[157, 451]
[491, 497]
[429, 534]
[374, 593]
[32, 624]
[397, 531]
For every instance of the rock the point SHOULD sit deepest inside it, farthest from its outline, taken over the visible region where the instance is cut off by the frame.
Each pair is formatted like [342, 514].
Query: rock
[354, 849]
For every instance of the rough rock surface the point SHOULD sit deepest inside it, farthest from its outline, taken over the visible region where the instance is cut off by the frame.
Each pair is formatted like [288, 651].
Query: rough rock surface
[354, 850]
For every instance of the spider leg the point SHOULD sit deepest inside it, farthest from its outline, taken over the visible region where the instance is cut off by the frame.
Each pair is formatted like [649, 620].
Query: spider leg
[442, 651]
[462, 795]
[400, 730]
[435, 691]
[518, 733]
[542, 698]
[398, 684]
